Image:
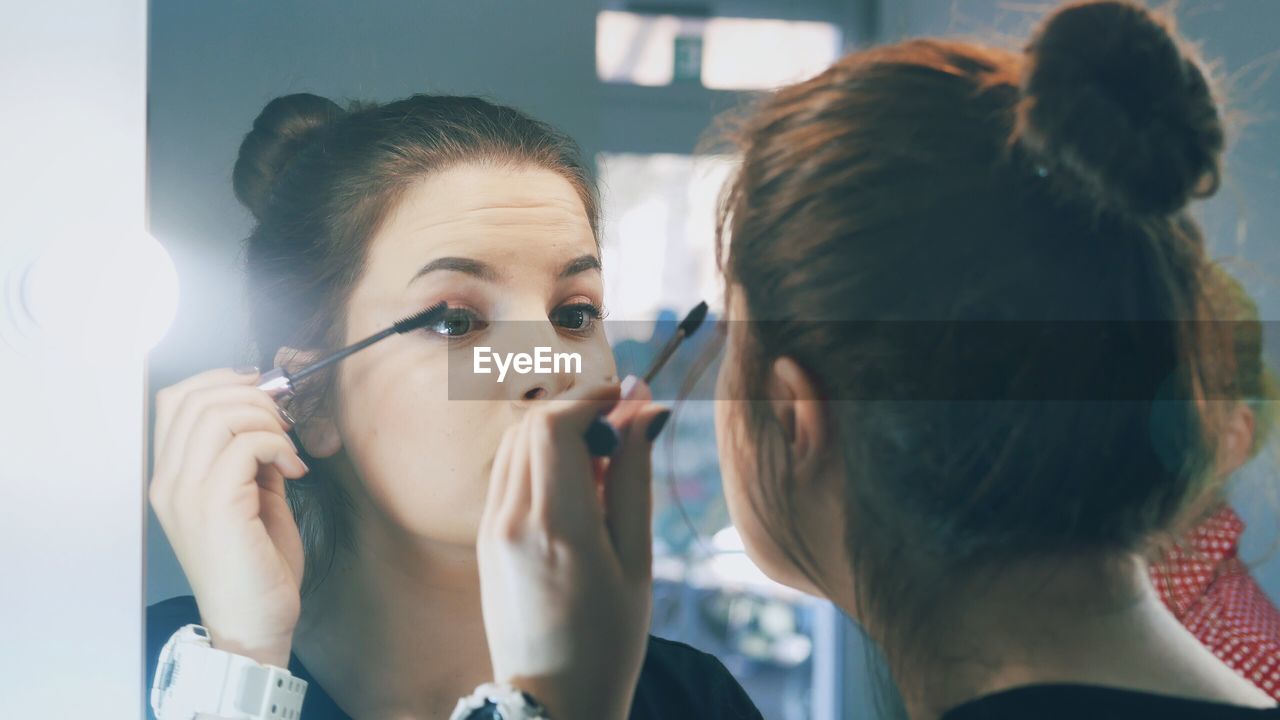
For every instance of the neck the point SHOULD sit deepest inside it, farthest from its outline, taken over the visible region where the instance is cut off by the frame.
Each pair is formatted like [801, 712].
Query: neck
[1079, 620]
[395, 629]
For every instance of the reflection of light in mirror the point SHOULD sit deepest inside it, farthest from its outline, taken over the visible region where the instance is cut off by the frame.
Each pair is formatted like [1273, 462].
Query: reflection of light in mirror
[659, 235]
[749, 54]
[737, 53]
[729, 568]
[641, 250]
[636, 49]
[728, 540]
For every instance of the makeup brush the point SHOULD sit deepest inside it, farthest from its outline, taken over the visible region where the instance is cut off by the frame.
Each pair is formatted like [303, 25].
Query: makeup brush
[601, 437]
[687, 327]
[280, 383]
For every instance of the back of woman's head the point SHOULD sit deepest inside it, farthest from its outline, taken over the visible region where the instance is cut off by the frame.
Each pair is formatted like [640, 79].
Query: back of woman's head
[984, 261]
[319, 179]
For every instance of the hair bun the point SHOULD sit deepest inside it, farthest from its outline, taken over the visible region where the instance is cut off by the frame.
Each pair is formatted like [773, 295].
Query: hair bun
[280, 131]
[1109, 96]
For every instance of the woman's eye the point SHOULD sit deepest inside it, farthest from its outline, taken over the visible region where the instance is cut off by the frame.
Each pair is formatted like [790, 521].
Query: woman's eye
[457, 322]
[577, 317]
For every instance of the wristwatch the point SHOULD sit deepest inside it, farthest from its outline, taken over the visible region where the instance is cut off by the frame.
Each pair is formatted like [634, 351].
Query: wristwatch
[193, 677]
[499, 701]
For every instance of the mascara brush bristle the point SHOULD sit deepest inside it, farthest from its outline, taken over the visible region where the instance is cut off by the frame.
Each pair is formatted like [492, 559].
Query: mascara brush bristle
[694, 319]
[422, 319]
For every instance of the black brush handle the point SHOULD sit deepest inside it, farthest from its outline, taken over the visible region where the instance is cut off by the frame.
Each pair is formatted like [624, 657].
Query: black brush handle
[601, 438]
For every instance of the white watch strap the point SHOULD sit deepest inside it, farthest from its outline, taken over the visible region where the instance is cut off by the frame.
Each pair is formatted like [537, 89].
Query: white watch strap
[195, 679]
[510, 702]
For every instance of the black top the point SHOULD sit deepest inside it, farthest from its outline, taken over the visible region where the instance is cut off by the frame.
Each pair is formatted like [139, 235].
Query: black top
[676, 681]
[1088, 702]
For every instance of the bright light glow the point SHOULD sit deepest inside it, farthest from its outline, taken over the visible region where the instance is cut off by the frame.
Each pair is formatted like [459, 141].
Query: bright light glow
[658, 249]
[730, 568]
[748, 54]
[728, 539]
[737, 53]
[82, 295]
[636, 49]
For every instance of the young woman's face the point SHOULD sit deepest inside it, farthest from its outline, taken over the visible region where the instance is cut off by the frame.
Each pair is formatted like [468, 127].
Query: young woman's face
[513, 254]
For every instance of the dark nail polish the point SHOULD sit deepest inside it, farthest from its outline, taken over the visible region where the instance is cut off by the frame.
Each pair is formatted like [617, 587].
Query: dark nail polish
[288, 418]
[247, 370]
[656, 425]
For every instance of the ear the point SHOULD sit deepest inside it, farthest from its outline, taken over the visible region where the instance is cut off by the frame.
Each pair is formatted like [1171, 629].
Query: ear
[1236, 444]
[801, 412]
[318, 432]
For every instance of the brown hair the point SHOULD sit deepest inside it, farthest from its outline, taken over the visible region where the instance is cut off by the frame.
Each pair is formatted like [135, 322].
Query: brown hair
[1255, 382]
[951, 182]
[319, 179]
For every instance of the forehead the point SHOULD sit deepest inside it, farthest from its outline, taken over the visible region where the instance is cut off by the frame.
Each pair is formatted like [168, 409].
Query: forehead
[501, 213]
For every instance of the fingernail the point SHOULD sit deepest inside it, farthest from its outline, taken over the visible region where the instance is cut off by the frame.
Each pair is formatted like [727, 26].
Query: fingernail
[656, 425]
[629, 386]
[285, 416]
[246, 370]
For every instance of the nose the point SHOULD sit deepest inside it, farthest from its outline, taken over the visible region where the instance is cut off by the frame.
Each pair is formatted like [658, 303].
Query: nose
[550, 377]
[535, 386]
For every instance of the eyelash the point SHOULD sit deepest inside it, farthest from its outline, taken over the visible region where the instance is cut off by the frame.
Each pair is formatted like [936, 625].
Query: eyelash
[592, 312]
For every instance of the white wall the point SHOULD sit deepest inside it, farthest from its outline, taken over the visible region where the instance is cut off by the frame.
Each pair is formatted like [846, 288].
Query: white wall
[71, 384]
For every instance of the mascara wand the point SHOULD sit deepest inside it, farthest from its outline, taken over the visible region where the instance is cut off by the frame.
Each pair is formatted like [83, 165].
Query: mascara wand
[280, 383]
[601, 437]
[687, 327]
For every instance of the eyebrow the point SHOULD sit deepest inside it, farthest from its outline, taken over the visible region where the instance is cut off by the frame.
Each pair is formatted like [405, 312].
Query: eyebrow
[580, 265]
[486, 272]
[458, 264]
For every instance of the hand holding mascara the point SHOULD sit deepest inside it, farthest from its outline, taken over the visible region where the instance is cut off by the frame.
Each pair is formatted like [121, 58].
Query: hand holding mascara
[560, 609]
[601, 437]
[280, 384]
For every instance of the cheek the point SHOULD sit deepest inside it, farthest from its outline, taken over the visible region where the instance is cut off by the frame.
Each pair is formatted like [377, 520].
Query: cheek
[730, 446]
[741, 478]
[422, 459]
[737, 474]
[598, 358]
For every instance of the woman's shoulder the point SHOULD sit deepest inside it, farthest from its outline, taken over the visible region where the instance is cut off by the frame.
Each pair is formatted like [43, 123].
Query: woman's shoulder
[1074, 702]
[678, 681]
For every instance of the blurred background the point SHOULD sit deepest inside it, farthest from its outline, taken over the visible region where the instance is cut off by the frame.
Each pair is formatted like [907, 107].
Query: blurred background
[638, 85]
